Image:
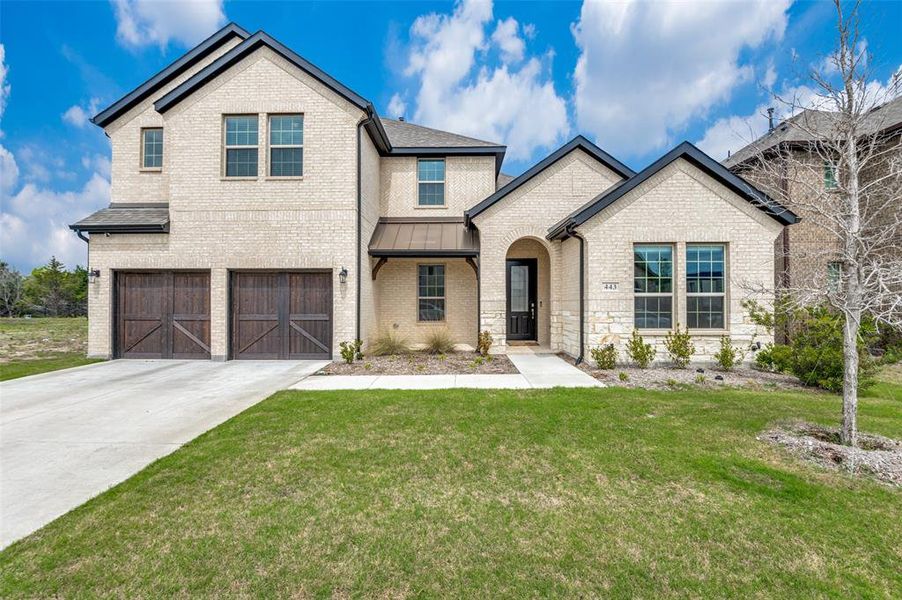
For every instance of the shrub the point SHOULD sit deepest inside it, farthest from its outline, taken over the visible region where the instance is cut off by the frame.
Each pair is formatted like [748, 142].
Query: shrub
[623, 376]
[484, 343]
[776, 358]
[439, 341]
[817, 350]
[728, 356]
[389, 343]
[699, 378]
[639, 352]
[605, 356]
[351, 350]
[679, 346]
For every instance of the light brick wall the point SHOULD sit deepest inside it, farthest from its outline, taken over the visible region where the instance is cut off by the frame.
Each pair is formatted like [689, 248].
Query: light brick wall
[569, 291]
[370, 191]
[128, 182]
[468, 180]
[396, 300]
[528, 212]
[217, 224]
[678, 205]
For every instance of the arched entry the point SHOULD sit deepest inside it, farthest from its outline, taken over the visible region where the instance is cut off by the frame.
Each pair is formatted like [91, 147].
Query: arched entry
[528, 292]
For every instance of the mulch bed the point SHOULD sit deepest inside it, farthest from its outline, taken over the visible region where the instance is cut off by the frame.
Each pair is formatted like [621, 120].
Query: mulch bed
[421, 363]
[876, 456]
[663, 377]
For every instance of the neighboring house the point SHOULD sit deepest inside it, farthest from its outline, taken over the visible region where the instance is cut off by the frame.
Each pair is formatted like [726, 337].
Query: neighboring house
[807, 255]
[261, 209]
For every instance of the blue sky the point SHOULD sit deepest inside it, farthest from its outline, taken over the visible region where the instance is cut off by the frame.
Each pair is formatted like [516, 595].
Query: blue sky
[636, 77]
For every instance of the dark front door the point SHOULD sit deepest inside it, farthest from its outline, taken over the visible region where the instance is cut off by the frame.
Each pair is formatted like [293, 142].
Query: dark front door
[281, 315]
[163, 314]
[521, 299]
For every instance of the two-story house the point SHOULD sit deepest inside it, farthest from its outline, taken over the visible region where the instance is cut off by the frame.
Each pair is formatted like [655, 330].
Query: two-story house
[262, 209]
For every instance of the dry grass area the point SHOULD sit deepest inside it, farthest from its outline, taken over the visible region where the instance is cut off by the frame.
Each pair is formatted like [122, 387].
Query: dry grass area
[31, 346]
[421, 363]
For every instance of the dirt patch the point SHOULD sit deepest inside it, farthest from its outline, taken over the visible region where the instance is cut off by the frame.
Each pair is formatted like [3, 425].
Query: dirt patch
[26, 339]
[876, 456]
[420, 363]
[662, 378]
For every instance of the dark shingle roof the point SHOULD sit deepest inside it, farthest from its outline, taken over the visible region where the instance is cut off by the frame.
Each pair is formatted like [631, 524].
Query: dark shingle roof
[126, 219]
[402, 134]
[810, 125]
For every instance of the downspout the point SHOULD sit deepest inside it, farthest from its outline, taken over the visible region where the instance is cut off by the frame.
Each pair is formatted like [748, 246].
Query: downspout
[82, 236]
[582, 294]
[359, 274]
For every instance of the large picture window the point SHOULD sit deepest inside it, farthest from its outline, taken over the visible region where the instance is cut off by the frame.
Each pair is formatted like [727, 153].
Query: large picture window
[152, 148]
[431, 293]
[286, 145]
[241, 146]
[431, 182]
[653, 286]
[705, 286]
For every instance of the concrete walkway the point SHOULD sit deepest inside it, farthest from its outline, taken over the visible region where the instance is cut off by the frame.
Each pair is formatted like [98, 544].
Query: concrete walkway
[536, 371]
[69, 435]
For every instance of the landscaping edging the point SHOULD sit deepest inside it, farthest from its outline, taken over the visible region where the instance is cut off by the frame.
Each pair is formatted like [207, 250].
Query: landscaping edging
[421, 363]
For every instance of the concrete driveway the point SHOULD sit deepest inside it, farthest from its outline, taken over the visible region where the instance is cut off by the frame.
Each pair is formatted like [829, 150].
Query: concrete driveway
[69, 435]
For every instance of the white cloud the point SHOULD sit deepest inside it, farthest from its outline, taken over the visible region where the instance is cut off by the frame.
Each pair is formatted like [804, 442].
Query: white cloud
[396, 106]
[5, 87]
[647, 68]
[459, 90]
[508, 39]
[154, 22]
[9, 171]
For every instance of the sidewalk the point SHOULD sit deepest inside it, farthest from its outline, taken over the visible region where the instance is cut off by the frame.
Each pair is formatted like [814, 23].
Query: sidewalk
[536, 371]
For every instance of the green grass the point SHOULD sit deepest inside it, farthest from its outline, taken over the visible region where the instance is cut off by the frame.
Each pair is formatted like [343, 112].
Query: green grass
[464, 493]
[32, 346]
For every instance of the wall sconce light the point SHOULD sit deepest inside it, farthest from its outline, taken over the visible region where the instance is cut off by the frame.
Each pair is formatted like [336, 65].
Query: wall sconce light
[93, 275]
[343, 275]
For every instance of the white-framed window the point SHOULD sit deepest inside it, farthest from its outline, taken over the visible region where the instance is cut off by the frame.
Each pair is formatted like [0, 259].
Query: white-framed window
[240, 144]
[430, 293]
[705, 286]
[653, 286]
[286, 145]
[431, 182]
[152, 148]
[834, 276]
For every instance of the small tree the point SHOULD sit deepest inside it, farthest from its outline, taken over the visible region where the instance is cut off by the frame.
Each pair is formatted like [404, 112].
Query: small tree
[10, 290]
[679, 346]
[847, 180]
[56, 292]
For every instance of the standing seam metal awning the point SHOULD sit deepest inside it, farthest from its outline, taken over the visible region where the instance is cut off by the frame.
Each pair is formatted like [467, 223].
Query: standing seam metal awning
[435, 236]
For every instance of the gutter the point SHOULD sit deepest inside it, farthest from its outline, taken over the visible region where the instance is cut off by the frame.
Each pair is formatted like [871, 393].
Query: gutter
[582, 294]
[81, 235]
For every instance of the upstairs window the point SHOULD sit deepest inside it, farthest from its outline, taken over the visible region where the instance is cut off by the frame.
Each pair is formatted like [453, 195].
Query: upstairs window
[431, 293]
[830, 182]
[705, 293]
[286, 145]
[653, 287]
[241, 146]
[152, 148]
[834, 276]
[431, 182]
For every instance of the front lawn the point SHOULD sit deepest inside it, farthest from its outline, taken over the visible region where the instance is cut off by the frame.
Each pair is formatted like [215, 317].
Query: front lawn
[32, 346]
[463, 493]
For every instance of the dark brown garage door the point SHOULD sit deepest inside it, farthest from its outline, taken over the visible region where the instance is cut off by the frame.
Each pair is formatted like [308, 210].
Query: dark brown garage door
[163, 314]
[281, 315]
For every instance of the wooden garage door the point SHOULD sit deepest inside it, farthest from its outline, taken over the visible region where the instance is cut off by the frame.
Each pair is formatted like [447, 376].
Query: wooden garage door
[281, 315]
[163, 314]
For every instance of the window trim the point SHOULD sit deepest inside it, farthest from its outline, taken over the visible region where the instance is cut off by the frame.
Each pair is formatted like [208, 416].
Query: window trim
[270, 146]
[444, 298]
[673, 286]
[724, 294]
[444, 182]
[225, 149]
[141, 166]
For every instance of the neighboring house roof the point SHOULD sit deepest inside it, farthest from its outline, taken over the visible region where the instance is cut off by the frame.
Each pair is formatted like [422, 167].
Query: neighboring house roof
[693, 155]
[503, 180]
[810, 125]
[435, 236]
[124, 218]
[403, 134]
[186, 61]
[579, 142]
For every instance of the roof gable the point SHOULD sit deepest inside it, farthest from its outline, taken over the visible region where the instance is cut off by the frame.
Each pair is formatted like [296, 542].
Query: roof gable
[579, 142]
[694, 156]
[179, 66]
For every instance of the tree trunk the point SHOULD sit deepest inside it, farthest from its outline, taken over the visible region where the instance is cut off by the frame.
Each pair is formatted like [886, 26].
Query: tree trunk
[849, 433]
